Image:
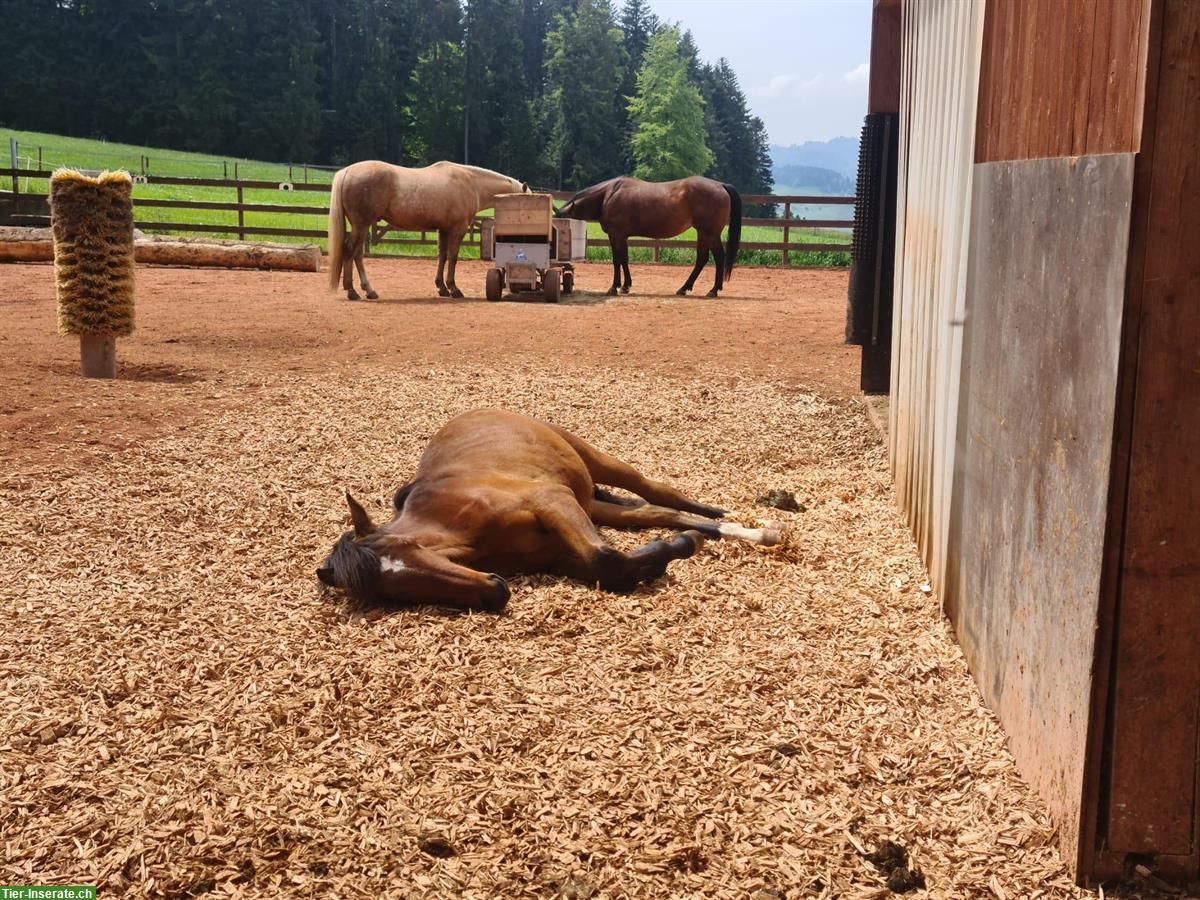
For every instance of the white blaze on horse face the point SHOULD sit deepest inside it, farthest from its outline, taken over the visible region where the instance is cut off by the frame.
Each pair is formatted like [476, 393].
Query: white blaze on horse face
[387, 564]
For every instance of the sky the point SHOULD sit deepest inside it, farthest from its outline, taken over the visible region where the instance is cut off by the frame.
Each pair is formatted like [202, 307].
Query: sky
[801, 63]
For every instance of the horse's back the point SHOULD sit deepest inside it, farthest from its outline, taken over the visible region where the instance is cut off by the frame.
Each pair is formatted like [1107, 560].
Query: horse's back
[497, 444]
[663, 209]
[435, 196]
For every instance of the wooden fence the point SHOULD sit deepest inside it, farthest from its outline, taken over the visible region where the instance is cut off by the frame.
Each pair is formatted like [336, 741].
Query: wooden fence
[22, 212]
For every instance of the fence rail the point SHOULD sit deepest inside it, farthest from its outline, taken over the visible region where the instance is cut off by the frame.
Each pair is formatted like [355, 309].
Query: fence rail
[788, 224]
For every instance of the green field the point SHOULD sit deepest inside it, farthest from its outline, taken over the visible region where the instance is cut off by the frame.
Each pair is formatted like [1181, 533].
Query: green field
[53, 151]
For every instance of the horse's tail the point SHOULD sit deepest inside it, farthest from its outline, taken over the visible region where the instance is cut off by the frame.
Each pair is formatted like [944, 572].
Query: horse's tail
[337, 230]
[735, 228]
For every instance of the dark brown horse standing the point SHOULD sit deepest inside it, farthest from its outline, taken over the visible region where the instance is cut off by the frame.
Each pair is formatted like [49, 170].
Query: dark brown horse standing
[497, 493]
[628, 207]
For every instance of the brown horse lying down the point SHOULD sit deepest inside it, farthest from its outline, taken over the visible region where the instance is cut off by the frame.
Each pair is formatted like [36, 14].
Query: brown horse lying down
[498, 493]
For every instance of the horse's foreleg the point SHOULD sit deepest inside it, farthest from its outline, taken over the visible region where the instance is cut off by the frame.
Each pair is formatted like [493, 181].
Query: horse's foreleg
[586, 557]
[719, 258]
[616, 515]
[618, 245]
[453, 242]
[440, 282]
[701, 260]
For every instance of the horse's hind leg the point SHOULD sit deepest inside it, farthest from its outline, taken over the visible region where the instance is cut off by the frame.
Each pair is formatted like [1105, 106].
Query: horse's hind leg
[701, 260]
[360, 250]
[356, 245]
[453, 242]
[586, 557]
[616, 515]
[628, 283]
[348, 264]
[719, 258]
[606, 469]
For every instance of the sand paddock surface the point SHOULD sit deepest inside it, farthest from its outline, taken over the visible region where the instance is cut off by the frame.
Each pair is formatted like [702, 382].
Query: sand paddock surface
[183, 712]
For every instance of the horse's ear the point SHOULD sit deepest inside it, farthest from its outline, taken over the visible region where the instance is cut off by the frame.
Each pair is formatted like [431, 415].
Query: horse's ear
[362, 522]
[325, 576]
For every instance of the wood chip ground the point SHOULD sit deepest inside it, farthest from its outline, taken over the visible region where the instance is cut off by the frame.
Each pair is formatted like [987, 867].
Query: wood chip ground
[182, 712]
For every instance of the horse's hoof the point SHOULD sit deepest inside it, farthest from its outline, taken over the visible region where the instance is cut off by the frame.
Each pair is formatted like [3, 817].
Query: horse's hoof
[687, 542]
[682, 292]
[352, 295]
[443, 292]
[371, 295]
[611, 292]
[625, 289]
[457, 294]
[712, 293]
[496, 603]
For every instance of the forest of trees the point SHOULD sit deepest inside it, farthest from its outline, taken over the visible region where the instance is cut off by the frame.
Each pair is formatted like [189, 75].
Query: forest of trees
[561, 93]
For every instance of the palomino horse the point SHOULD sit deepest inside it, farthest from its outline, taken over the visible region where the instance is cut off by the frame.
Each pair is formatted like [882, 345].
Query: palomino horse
[497, 493]
[443, 197]
[628, 207]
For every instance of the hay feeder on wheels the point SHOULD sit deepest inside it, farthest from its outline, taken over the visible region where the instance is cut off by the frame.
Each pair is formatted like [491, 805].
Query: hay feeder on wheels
[531, 251]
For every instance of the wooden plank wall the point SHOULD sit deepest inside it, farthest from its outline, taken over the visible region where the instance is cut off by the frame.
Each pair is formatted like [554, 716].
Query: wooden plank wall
[1061, 78]
[1150, 765]
[939, 86]
[1029, 513]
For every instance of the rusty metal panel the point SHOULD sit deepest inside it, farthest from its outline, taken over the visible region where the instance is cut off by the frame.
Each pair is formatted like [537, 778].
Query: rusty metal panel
[1060, 78]
[1045, 292]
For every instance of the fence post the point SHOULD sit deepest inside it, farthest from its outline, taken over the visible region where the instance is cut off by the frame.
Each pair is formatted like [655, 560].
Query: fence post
[241, 215]
[225, 169]
[12, 152]
[290, 178]
[787, 215]
[306, 173]
[657, 254]
[39, 157]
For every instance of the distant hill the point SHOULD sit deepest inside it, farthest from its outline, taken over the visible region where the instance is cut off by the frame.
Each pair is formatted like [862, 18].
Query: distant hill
[839, 154]
[815, 179]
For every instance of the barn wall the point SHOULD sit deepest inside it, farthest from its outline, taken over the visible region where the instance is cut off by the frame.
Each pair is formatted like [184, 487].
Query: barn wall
[1033, 452]
[1061, 78]
[1148, 773]
[938, 90]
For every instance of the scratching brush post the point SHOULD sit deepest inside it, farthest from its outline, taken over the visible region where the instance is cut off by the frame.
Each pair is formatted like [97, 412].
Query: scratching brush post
[92, 222]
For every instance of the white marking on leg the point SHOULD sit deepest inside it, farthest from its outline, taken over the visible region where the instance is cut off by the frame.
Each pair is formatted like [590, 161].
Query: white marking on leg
[766, 536]
[387, 564]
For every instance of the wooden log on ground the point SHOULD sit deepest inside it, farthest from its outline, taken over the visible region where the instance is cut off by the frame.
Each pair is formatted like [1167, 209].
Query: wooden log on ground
[25, 244]
[35, 245]
[175, 251]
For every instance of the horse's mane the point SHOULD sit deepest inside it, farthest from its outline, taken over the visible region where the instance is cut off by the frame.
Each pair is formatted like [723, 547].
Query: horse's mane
[592, 188]
[354, 566]
[480, 170]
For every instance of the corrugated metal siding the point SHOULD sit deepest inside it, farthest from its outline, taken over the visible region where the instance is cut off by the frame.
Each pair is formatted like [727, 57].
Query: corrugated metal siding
[938, 93]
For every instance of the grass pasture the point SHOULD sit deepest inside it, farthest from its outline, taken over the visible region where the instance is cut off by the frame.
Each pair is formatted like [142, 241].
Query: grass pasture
[52, 151]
